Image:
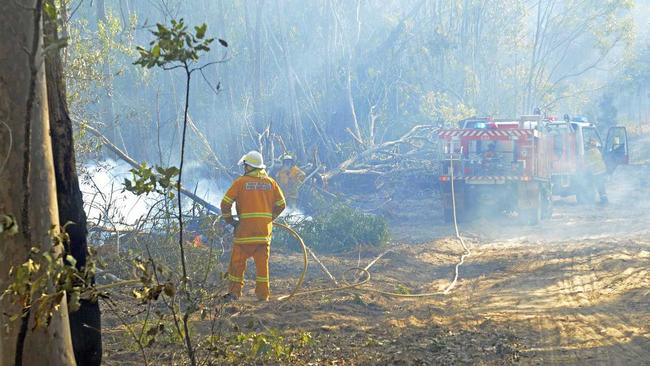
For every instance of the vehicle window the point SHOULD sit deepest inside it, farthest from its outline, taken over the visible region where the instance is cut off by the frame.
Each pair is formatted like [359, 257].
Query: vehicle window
[616, 141]
[589, 133]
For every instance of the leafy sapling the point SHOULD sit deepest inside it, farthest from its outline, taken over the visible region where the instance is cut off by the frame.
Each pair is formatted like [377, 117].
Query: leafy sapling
[177, 47]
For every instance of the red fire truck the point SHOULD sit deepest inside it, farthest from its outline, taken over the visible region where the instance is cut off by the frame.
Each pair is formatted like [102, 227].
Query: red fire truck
[517, 165]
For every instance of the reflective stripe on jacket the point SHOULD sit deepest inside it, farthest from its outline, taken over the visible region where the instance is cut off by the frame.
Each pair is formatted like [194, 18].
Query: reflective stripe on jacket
[594, 161]
[256, 195]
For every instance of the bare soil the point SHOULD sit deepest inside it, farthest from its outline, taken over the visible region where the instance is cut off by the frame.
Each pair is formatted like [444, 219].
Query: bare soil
[574, 290]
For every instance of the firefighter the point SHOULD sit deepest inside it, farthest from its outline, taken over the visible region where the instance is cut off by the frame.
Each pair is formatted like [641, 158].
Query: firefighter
[290, 178]
[596, 168]
[259, 201]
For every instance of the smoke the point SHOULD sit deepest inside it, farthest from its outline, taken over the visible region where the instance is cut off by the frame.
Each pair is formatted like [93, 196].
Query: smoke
[108, 204]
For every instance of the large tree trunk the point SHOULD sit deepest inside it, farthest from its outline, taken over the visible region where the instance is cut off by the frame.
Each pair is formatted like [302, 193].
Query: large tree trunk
[28, 191]
[85, 323]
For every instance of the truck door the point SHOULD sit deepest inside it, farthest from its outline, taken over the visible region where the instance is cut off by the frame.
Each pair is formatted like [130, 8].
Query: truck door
[616, 151]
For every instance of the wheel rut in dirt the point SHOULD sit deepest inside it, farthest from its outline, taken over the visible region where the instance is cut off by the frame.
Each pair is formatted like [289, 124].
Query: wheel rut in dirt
[578, 304]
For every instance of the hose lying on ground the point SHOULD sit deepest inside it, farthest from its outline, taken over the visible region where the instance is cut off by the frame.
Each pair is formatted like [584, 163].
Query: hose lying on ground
[365, 271]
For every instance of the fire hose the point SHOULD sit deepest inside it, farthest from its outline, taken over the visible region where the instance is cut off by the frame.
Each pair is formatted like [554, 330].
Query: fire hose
[356, 286]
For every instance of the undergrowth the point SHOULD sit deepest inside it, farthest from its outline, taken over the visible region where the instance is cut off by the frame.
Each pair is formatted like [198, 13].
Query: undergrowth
[337, 228]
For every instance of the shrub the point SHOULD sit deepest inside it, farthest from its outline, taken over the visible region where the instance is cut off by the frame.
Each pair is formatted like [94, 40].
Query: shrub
[338, 229]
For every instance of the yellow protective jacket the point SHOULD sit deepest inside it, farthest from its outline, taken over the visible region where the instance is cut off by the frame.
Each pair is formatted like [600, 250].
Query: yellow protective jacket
[258, 196]
[290, 180]
[594, 161]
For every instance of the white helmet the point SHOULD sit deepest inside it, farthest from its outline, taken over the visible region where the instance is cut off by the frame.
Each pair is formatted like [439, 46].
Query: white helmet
[254, 159]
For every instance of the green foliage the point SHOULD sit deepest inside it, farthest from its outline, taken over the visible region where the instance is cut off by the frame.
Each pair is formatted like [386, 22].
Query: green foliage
[90, 52]
[401, 289]
[50, 10]
[145, 180]
[151, 287]
[339, 228]
[41, 282]
[175, 45]
[97, 68]
[258, 347]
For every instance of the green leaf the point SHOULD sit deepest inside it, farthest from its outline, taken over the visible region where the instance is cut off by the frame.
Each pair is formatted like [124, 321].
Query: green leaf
[172, 171]
[70, 259]
[223, 43]
[155, 51]
[50, 10]
[200, 30]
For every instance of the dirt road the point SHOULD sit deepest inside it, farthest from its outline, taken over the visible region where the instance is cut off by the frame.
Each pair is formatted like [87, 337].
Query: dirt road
[571, 303]
[574, 290]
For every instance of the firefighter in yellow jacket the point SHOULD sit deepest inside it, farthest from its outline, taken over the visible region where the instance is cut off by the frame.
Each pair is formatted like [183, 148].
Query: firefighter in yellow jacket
[596, 168]
[259, 200]
[290, 178]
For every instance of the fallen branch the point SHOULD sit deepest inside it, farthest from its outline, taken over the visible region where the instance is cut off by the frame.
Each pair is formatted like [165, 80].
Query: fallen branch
[122, 155]
[386, 148]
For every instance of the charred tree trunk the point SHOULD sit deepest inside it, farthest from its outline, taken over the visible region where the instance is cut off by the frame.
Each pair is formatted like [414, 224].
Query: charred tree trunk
[85, 324]
[28, 189]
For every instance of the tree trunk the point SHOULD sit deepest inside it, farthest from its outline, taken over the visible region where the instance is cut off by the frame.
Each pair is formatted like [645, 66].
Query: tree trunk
[258, 115]
[85, 323]
[30, 193]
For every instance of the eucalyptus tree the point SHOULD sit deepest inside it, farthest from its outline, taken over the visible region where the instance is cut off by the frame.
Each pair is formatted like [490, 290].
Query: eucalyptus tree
[28, 204]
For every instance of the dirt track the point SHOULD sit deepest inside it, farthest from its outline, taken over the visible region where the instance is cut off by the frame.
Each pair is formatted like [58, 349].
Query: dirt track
[572, 291]
[570, 303]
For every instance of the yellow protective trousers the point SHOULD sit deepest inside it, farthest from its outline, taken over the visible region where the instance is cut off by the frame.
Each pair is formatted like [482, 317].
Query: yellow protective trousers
[239, 256]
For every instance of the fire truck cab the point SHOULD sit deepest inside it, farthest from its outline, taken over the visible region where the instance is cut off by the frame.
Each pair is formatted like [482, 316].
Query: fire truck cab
[496, 166]
[571, 139]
